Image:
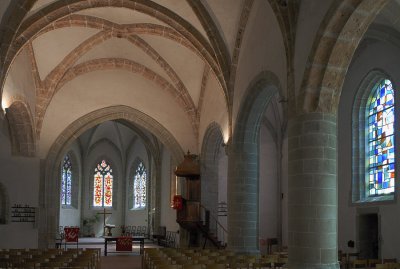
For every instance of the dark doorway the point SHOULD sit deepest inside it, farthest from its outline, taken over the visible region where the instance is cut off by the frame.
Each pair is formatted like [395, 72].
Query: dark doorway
[368, 232]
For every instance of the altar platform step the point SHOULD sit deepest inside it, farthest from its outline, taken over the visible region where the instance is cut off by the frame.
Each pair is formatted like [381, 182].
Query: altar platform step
[98, 242]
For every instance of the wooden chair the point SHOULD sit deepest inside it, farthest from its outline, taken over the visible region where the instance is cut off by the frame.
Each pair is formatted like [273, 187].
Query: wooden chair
[269, 259]
[262, 265]
[192, 266]
[171, 266]
[393, 265]
[182, 261]
[373, 262]
[239, 266]
[359, 264]
[132, 231]
[161, 234]
[215, 266]
[155, 264]
[151, 253]
[382, 266]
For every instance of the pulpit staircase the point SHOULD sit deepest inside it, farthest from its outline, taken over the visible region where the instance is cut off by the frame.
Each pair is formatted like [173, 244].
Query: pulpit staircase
[212, 229]
[194, 217]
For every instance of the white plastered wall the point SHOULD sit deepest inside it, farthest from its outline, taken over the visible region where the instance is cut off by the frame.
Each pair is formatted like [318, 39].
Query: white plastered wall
[310, 16]
[268, 184]
[262, 50]
[214, 110]
[370, 55]
[101, 89]
[22, 187]
[19, 82]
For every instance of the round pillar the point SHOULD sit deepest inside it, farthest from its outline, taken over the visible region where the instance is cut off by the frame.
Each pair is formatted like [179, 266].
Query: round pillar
[243, 198]
[312, 194]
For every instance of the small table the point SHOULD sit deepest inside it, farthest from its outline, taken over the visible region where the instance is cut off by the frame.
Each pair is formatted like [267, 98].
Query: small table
[139, 239]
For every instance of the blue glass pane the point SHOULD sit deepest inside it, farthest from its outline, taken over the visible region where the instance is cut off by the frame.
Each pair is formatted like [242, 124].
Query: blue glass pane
[380, 134]
[66, 181]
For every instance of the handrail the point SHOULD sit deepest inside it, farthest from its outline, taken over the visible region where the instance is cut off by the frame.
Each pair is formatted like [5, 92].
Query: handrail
[216, 221]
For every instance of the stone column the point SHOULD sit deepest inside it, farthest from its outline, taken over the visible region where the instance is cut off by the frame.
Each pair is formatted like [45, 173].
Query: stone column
[312, 192]
[158, 172]
[243, 197]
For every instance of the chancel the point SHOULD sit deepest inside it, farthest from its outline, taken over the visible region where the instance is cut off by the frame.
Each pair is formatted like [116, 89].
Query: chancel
[287, 107]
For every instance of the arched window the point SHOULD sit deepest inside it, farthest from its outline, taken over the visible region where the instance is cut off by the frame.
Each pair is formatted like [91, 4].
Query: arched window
[139, 187]
[380, 156]
[66, 181]
[103, 185]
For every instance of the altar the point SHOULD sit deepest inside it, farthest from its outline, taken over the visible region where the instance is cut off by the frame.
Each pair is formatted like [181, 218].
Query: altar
[137, 239]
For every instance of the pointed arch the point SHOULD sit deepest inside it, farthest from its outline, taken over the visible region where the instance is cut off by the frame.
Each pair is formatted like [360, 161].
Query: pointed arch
[131, 116]
[255, 100]
[21, 129]
[337, 39]
[243, 163]
[218, 44]
[210, 150]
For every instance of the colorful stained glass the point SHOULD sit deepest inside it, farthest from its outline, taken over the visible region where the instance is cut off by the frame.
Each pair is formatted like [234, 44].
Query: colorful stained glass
[103, 185]
[380, 139]
[139, 187]
[66, 181]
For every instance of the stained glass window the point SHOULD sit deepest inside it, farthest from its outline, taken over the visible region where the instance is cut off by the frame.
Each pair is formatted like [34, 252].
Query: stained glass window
[380, 140]
[103, 185]
[66, 181]
[139, 187]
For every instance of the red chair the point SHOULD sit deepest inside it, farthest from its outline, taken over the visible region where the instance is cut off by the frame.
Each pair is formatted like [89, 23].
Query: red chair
[71, 235]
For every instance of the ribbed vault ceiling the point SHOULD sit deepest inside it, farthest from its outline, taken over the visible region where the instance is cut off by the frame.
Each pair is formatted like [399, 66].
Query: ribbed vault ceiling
[165, 46]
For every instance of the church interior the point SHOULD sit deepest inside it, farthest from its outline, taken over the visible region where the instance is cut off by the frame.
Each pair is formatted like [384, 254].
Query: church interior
[286, 106]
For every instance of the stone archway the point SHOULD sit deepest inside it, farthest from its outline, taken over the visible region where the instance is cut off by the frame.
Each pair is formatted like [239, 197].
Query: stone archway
[243, 164]
[49, 203]
[312, 134]
[211, 148]
[21, 129]
[332, 52]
